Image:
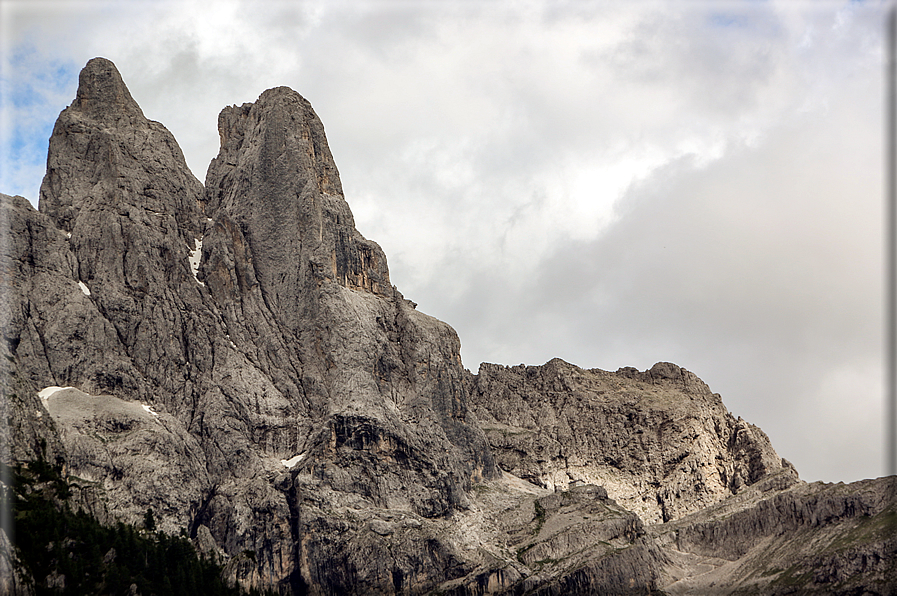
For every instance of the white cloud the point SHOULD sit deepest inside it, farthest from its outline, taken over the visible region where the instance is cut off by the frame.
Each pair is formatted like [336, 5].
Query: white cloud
[611, 183]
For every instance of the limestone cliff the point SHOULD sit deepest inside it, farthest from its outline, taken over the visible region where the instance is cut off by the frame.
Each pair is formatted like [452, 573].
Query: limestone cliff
[809, 539]
[253, 319]
[659, 441]
[233, 356]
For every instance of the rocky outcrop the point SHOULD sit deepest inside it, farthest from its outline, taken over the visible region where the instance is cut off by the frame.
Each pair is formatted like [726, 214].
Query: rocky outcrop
[234, 357]
[48, 325]
[13, 579]
[252, 319]
[141, 459]
[585, 542]
[307, 298]
[820, 538]
[659, 441]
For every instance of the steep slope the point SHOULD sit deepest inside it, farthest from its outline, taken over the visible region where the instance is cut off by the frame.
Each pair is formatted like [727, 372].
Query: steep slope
[36, 274]
[304, 296]
[297, 284]
[729, 515]
[282, 363]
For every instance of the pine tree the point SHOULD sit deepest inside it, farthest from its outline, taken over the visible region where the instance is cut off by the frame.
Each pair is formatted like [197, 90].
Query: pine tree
[149, 522]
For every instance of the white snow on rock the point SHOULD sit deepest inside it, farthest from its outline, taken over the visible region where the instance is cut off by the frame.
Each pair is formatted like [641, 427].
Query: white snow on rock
[289, 463]
[149, 409]
[83, 287]
[48, 391]
[195, 256]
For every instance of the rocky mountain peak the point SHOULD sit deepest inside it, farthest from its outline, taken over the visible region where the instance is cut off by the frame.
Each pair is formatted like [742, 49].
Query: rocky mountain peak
[234, 358]
[102, 94]
[274, 191]
[105, 156]
[281, 131]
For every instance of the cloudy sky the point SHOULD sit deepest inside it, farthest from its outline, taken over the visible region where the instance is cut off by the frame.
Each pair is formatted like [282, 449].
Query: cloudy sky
[612, 183]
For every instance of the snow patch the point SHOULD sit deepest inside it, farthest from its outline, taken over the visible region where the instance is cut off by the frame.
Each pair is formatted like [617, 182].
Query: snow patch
[149, 409]
[195, 256]
[48, 391]
[84, 288]
[289, 463]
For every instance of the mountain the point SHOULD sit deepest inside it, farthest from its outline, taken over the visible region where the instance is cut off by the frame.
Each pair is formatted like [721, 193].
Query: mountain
[229, 362]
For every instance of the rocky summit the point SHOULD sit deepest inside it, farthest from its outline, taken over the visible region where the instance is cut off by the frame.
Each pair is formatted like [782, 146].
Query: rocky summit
[229, 363]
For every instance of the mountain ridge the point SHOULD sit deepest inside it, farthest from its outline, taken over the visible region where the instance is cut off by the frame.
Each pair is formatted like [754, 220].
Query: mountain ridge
[236, 360]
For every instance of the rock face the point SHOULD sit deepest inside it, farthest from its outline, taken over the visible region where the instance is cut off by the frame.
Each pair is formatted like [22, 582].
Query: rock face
[660, 442]
[233, 356]
[133, 453]
[816, 538]
[11, 578]
[254, 319]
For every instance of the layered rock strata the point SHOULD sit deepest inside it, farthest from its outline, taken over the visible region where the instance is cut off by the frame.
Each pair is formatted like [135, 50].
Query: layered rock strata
[809, 538]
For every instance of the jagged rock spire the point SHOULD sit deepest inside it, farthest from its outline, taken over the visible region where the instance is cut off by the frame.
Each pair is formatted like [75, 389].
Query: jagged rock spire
[104, 153]
[119, 185]
[275, 179]
[102, 93]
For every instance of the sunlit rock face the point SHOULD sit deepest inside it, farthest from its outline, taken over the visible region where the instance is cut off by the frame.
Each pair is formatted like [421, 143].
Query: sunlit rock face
[660, 441]
[234, 357]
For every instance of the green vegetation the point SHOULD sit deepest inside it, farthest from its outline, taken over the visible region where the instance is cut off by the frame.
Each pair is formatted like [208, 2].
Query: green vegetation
[522, 551]
[53, 541]
[540, 518]
[543, 562]
[149, 522]
[868, 529]
[482, 489]
[793, 577]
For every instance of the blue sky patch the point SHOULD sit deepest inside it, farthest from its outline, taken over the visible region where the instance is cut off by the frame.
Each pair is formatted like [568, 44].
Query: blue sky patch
[34, 90]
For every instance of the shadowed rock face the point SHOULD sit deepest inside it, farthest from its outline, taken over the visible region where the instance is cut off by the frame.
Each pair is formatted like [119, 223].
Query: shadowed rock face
[234, 357]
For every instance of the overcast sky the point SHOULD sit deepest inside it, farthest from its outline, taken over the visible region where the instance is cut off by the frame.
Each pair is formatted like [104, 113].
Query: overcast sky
[612, 183]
